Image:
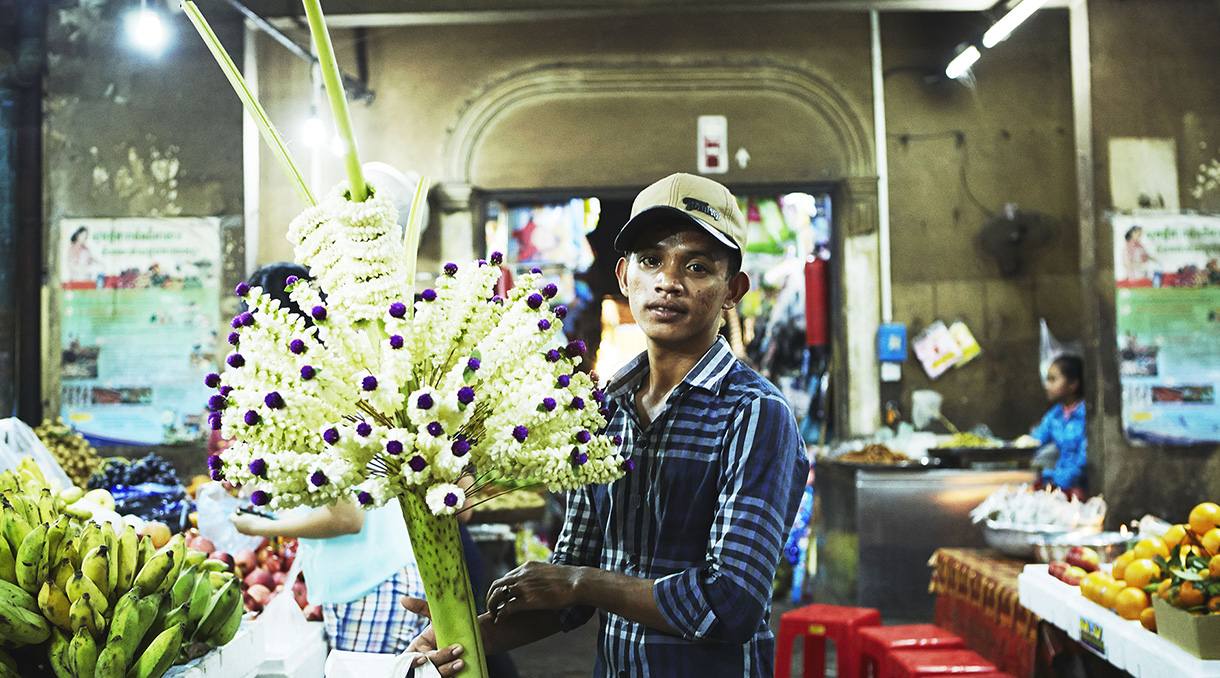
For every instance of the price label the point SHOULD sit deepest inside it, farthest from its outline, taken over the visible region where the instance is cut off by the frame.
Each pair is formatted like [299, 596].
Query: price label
[1092, 636]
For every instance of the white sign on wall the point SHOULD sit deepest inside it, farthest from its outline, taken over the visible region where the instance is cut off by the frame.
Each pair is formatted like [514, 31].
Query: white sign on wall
[713, 144]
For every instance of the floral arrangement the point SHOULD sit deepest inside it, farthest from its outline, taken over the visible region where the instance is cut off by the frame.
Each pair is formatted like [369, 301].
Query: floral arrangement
[377, 396]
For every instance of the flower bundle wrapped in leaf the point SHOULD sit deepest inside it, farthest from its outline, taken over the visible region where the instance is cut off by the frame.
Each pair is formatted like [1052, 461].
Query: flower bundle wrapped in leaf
[377, 396]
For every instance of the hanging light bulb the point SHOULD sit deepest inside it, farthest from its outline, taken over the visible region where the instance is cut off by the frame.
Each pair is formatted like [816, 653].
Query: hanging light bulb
[145, 29]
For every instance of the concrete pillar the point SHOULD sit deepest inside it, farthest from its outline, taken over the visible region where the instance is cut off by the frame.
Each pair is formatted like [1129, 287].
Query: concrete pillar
[859, 408]
[456, 221]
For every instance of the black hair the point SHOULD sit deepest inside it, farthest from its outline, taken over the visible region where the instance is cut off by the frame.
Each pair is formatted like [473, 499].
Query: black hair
[273, 279]
[734, 255]
[1072, 368]
[1131, 231]
[77, 232]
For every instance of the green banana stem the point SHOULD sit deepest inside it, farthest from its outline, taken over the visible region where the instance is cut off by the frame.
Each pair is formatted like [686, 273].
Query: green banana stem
[415, 226]
[442, 566]
[338, 101]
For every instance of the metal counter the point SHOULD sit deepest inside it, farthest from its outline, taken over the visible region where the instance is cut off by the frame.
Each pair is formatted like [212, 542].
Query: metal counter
[876, 528]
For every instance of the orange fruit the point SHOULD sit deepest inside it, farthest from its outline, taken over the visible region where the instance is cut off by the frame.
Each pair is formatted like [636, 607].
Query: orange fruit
[1148, 619]
[1091, 585]
[1213, 567]
[1163, 589]
[1151, 548]
[1211, 541]
[1130, 602]
[1190, 595]
[1175, 535]
[1141, 572]
[1213, 605]
[1204, 517]
[1109, 594]
[1121, 563]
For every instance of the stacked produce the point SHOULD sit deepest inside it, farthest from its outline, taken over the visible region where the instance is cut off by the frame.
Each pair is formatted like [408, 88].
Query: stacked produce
[94, 602]
[147, 488]
[1182, 567]
[75, 456]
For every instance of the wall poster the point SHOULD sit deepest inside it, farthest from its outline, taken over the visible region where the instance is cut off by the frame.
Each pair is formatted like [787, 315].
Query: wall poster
[140, 316]
[1167, 268]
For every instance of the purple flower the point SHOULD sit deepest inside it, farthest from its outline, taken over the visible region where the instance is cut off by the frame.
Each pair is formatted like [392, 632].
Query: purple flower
[236, 360]
[398, 309]
[247, 318]
[536, 271]
[318, 313]
[465, 395]
[225, 390]
[628, 465]
[497, 299]
[549, 290]
[451, 499]
[308, 372]
[561, 312]
[534, 300]
[451, 269]
[583, 437]
[214, 418]
[604, 411]
[260, 498]
[296, 346]
[242, 289]
[274, 400]
[417, 463]
[259, 468]
[482, 263]
[235, 323]
[460, 447]
[424, 401]
[574, 348]
[579, 458]
[212, 380]
[577, 403]
[473, 364]
[290, 281]
[497, 258]
[365, 499]
[252, 418]
[217, 403]
[548, 404]
[216, 474]
[521, 433]
[234, 338]
[435, 429]
[364, 429]
[544, 324]
[331, 435]
[553, 356]
[396, 341]
[214, 461]
[617, 439]
[598, 395]
[369, 383]
[394, 447]
[428, 295]
[563, 380]
[318, 479]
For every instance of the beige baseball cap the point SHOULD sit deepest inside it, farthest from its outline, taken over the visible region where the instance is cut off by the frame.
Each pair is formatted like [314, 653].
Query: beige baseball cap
[704, 202]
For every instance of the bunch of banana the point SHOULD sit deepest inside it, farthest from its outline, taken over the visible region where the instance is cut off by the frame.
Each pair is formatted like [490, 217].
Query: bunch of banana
[26, 490]
[76, 457]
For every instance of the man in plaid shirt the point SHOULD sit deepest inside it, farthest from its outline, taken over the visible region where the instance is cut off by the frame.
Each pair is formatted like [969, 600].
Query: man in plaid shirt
[677, 557]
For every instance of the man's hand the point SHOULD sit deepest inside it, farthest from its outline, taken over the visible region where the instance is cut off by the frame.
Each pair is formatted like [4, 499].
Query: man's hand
[249, 524]
[532, 586]
[447, 660]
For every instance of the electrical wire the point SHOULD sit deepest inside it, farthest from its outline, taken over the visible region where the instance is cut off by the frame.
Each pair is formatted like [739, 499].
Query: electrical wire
[904, 138]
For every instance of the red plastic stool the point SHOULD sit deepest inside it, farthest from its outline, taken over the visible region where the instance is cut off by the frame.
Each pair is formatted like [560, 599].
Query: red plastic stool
[926, 663]
[816, 623]
[875, 642]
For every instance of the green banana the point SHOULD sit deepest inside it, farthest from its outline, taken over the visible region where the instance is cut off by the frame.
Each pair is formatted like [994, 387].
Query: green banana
[89, 539]
[112, 563]
[62, 572]
[8, 672]
[128, 554]
[15, 526]
[228, 629]
[70, 549]
[213, 565]
[200, 598]
[21, 626]
[112, 660]
[147, 551]
[7, 661]
[18, 596]
[54, 604]
[56, 534]
[24, 509]
[80, 585]
[195, 558]
[82, 615]
[177, 546]
[71, 494]
[28, 465]
[96, 566]
[31, 557]
[155, 572]
[77, 511]
[177, 615]
[57, 653]
[8, 562]
[219, 609]
[160, 655]
[181, 591]
[82, 654]
[148, 607]
[125, 622]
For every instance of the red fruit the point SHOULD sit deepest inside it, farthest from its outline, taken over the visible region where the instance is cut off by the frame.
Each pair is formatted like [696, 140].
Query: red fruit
[313, 613]
[259, 577]
[279, 578]
[1083, 557]
[1057, 569]
[1073, 576]
[222, 557]
[259, 594]
[299, 594]
[246, 561]
[204, 544]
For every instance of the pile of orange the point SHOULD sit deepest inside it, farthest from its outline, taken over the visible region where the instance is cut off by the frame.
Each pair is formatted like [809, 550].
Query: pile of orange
[1183, 568]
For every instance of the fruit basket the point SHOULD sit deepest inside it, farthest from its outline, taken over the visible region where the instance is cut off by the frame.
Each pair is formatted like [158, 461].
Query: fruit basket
[1018, 540]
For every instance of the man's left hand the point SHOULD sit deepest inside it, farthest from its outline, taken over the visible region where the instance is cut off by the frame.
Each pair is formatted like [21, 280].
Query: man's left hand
[533, 586]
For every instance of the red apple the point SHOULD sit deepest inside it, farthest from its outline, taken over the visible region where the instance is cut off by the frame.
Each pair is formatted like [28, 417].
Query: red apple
[299, 594]
[260, 577]
[259, 594]
[251, 604]
[1073, 576]
[279, 578]
[1056, 569]
[246, 561]
[274, 563]
[204, 544]
[1083, 557]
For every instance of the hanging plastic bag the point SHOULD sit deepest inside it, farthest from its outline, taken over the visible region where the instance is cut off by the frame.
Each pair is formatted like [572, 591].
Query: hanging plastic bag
[1053, 348]
[344, 664]
[18, 440]
[283, 620]
[215, 505]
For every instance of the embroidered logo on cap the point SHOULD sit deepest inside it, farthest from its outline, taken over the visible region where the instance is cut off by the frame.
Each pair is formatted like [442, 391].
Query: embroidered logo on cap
[696, 205]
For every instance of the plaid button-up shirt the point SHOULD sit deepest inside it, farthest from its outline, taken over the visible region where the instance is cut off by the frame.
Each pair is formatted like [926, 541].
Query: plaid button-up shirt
[705, 512]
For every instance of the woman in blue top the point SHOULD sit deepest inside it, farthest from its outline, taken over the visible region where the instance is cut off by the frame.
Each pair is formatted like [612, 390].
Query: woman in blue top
[1064, 425]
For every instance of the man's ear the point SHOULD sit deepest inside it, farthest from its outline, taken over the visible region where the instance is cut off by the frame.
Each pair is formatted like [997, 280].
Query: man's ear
[620, 272]
[738, 286]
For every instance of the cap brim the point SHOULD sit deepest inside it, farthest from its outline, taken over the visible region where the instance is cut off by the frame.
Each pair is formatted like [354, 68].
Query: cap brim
[654, 216]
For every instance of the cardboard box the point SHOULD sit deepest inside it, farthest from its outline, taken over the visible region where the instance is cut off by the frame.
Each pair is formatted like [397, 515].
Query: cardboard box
[1199, 635]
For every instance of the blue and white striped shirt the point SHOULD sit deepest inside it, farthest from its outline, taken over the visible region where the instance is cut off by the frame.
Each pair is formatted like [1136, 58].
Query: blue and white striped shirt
[704, 512]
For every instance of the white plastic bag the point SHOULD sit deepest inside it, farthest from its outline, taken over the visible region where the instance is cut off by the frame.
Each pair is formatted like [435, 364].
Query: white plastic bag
[18, 440]
[283, 620]
[215, 505]
[343, 664]
[1052, 348]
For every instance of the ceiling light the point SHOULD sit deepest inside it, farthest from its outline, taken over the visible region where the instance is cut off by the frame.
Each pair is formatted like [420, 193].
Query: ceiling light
[962, 62]
[146, 31]
[1010, 21]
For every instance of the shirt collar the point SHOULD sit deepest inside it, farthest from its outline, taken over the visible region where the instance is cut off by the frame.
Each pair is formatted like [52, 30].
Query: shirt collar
[707, 374]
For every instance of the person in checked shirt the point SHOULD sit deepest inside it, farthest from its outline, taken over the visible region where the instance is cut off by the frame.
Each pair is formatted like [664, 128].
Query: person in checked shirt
[677, 557]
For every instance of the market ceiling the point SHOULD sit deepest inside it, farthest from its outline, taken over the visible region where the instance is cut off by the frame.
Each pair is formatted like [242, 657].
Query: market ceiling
[350, 13]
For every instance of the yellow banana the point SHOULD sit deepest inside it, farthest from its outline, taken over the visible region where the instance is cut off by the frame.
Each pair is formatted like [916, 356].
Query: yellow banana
[96, 566]
[31, 557]
[112, 563]
[15, 526]
[18, 596]
[70, 495]
[219, 609]
[27, 506]
[128, 555]
[82, 654]
[21, 626]
[112, 660]
[46, 506]
[8, 562]
[159, 655]
[57, 533]
[90, 538]
[83, 615]
[78, 511]
[155, 572]
[62, 572]
[57, 653]
[147, 551]
[27, 464]
[54, 604]
[177, 544]
[80, 585]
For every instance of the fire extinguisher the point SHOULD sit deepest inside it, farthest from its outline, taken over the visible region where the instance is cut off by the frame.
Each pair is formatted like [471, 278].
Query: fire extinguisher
[817, 302]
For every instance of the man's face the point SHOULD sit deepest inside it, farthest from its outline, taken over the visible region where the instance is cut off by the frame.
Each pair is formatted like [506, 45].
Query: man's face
[676, 281]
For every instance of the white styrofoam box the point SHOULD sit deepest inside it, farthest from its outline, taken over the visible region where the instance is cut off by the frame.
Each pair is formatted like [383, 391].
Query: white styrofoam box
[306, 660]
[240, 658]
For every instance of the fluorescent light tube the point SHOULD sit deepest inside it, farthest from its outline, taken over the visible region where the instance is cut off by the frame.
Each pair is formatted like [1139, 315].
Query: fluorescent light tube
[1010, 21]
[962, 62]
